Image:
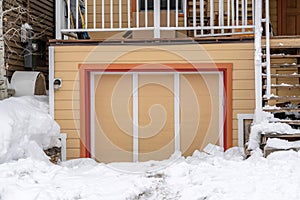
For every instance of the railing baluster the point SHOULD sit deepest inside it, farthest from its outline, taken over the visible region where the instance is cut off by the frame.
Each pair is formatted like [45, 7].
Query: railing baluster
[228, 12]
[168, 13]
[194, 13]
[253, 11]
[221, 14]
[85, 14]
[268, 61]
[69, 14]
[232, 15]
[137, 14]
[176, 13]
[77, 14]
[120, 13]
[246, 12]
[94, 14]
[237, 13]
[156, 18]
[128, 13]
[202, 15]
[184, 13]
[243, 14]
[146, 13]
[102, 16]
[111, 14]
[212, 15]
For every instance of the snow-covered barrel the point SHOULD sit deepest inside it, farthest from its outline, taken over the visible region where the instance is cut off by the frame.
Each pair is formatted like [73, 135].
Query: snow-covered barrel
[28, 83]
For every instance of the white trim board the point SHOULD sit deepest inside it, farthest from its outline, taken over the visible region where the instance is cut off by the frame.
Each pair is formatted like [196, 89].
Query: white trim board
[241, 118]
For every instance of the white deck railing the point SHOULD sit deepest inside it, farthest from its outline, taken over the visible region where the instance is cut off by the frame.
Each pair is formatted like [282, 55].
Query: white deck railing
[202, 17]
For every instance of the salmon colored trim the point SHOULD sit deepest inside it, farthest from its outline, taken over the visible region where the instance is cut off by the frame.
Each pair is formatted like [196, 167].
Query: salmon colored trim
[86, 69]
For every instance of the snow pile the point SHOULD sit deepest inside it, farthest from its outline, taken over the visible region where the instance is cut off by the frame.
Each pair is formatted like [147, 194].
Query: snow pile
[202, 176]
[282, 144]
[266, 127]
[26, 127]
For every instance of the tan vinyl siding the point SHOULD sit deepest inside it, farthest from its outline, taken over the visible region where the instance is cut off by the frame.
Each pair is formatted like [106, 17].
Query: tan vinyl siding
[67, 58]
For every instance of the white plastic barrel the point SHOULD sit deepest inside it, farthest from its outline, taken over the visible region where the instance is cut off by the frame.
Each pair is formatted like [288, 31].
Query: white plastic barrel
[24, 82]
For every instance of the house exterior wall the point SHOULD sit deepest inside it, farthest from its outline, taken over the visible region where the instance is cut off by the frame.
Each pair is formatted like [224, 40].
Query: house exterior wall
[67, 59]
[39, 15]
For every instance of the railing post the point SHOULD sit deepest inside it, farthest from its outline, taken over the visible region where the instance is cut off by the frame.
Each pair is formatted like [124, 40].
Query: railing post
[258, 61]
[58, 19]
[157, 19]
[268, 61]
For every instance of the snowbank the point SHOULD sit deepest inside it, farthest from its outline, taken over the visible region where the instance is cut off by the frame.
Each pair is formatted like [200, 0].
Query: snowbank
[25, 128]
[202, 176]
[266, 127]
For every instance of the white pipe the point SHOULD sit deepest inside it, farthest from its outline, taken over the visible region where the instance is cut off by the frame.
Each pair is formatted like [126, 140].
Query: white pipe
[258, 62]
[268, 61]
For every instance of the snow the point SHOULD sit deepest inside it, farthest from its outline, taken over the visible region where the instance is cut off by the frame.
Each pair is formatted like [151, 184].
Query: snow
[282, 144]
[213, 174]
[226, 176]
[267, 125]
[26, 128]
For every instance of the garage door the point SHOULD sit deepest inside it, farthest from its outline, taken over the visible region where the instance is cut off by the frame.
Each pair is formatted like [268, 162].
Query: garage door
[144, 116]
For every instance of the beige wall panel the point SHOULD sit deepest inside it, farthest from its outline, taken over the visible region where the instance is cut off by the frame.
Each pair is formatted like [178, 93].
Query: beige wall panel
[199, 112]
[73, 153]
[235, 142]
[243, 104]
[113, 121]
[70, 85]
[67, 95]
[73, 142]
[67, 114]
[241, 111]
[243, 74]
[156, 117]
[243, 84]
[244, 94]
[66, 104]
[67, 76]
[71, 134]
[68, 123]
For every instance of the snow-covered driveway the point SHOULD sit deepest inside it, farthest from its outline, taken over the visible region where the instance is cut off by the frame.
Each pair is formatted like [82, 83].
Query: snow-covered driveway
[199, 177]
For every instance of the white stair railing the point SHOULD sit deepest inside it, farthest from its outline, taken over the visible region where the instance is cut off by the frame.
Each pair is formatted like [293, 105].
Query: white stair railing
[259, 20]
[204, 17]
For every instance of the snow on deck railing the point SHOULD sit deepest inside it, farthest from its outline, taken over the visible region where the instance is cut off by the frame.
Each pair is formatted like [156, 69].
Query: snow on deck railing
[202, 17]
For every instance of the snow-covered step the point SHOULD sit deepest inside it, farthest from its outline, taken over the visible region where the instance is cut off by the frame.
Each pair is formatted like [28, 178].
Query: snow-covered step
[289, 121]
[282, 55]
[294, 75]
[279, 109]
[285, 65]
[283, 98]
[285, 86]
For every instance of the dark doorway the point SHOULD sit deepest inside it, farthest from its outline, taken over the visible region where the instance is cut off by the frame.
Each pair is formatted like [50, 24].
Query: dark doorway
[289, 17]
